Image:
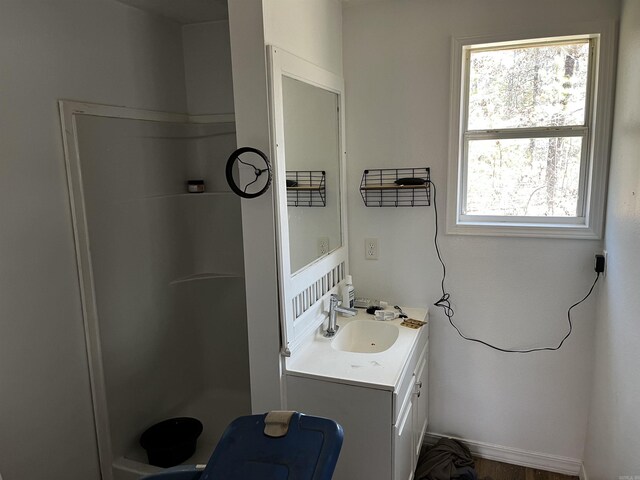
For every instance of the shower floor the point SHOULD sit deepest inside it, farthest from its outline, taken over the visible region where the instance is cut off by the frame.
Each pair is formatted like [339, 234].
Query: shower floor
[214, 408]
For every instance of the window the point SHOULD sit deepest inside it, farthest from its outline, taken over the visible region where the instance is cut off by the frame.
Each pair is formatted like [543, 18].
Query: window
[525, 146]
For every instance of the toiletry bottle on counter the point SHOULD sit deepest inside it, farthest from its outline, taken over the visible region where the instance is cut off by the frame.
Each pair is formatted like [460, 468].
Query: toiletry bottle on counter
[348, 292]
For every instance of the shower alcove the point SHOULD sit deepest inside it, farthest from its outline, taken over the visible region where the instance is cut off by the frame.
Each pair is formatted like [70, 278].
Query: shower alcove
[162, 276]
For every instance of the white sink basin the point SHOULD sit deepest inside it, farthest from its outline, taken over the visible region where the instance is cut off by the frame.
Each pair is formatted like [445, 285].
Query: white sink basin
[365, 336]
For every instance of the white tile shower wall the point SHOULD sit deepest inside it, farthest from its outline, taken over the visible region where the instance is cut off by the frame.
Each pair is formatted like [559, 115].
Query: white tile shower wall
[162, 340]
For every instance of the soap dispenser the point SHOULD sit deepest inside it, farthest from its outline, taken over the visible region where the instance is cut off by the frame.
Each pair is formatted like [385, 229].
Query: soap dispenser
[348, 292]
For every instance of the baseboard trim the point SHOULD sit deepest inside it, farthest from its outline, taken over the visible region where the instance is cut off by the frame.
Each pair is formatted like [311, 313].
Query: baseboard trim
[583, 473]
[516, 456]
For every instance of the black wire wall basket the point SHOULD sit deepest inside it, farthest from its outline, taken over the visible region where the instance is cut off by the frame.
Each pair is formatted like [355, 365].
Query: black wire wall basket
[306, 188]
[396, 187]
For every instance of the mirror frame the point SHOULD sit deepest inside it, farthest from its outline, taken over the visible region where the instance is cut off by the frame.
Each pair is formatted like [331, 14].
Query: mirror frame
[303, 293]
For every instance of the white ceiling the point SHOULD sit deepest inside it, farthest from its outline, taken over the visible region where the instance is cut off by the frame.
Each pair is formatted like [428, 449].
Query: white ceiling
[184, 11]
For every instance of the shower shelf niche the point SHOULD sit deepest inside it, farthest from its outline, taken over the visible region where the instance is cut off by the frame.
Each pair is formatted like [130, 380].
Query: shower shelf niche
[203, 194]
[187, 194]
[168, 196]
[204, 276]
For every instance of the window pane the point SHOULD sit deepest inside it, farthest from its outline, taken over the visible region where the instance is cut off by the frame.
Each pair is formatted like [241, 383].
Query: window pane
[539, 86]
[524, 177]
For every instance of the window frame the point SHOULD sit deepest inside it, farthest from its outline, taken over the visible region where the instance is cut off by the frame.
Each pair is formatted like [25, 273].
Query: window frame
[596, 134]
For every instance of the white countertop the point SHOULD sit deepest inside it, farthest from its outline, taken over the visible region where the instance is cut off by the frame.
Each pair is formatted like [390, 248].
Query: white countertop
[318, 359]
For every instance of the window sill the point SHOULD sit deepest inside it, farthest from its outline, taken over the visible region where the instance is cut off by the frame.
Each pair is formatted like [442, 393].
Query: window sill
[536, 230]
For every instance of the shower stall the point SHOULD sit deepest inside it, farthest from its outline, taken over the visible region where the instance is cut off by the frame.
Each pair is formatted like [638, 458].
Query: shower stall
[161, 269]
[162, 276]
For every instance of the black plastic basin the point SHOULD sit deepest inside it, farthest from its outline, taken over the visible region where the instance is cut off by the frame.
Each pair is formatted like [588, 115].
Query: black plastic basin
[171, 441]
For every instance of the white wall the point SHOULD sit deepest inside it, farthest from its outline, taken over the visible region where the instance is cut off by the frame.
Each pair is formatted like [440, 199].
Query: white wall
[258, 229]
[207, 59]
[513, 292]
[95, 50]
[613, 441]
[311, 30]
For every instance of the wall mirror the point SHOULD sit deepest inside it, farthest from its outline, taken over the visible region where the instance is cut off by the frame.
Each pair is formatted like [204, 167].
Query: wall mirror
[308, 140]
[312, 161]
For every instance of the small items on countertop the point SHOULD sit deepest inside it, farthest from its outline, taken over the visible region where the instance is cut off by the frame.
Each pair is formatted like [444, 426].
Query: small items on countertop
[411, 323]
[348, 292]
[369, 302]
[385, 315]
[402, 314]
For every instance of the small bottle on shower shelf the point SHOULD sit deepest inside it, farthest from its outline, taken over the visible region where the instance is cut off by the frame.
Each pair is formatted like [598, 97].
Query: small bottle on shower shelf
[195, 186]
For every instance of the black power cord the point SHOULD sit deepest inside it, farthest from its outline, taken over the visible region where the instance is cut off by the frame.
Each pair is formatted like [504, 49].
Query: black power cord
[445, 300]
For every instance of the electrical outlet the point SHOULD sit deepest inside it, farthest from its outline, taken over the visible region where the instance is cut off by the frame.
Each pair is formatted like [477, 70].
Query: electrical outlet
[371, 248]
[323, 246]
[606, 263]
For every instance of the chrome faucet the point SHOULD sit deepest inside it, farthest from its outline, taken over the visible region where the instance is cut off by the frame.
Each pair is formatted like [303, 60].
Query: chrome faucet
[334, 307]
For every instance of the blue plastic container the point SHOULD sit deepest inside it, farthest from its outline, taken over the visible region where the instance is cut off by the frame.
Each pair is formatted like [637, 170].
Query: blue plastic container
[308, 451]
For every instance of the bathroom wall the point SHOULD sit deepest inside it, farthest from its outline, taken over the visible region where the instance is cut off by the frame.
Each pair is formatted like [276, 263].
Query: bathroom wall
[207, 59]
[97, 50]
[513, 292]
[311, 30]
[613, 442]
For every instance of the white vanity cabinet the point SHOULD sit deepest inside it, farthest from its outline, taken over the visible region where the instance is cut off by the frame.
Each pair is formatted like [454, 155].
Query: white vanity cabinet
[380, 399]
[410, 422]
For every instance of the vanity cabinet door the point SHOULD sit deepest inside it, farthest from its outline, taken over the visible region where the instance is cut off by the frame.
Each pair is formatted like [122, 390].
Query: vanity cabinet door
[365, 416]
[403, 458]
[421, 400]
[411, 419]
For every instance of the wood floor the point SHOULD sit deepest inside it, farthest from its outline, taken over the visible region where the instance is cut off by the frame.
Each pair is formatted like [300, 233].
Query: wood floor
[492, 470]
[503, 471]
